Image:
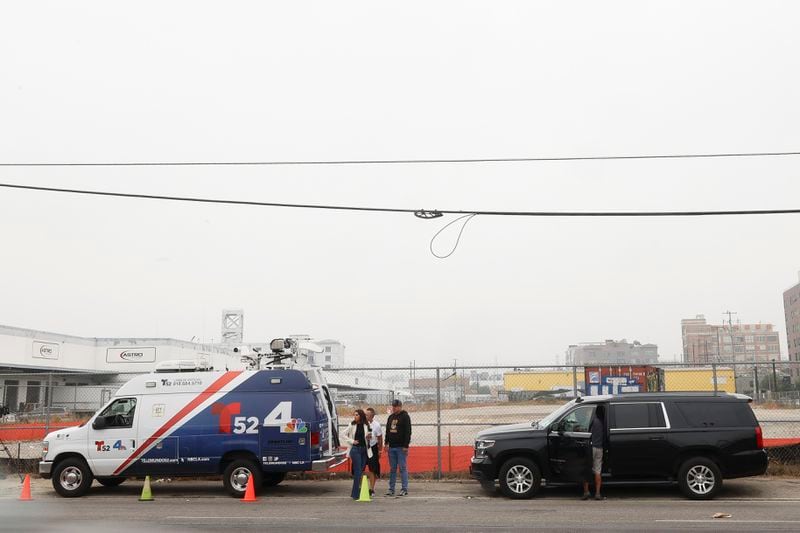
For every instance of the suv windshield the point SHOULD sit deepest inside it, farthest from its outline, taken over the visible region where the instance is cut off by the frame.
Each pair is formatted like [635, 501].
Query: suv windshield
[552, 417]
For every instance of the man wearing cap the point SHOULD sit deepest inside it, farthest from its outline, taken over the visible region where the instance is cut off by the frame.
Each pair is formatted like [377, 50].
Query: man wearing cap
[397, 439]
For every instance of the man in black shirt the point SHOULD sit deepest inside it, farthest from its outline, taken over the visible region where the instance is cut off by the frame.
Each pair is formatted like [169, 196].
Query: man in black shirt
[597, 428]
[397, 438]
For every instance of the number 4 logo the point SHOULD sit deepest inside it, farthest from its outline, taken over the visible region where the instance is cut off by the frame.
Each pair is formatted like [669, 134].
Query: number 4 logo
[279, 416]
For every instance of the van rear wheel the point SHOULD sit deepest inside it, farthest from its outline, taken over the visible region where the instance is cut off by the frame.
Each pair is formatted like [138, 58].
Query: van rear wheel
[520, 478]
[700, 478]
[238, 474]
[72, 477]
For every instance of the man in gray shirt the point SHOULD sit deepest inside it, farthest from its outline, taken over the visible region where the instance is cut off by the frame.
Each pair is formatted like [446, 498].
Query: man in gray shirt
[597, 427]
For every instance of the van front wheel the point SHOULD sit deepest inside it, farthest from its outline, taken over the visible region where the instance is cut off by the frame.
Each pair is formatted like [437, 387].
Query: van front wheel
[238, 474]
[72, 477]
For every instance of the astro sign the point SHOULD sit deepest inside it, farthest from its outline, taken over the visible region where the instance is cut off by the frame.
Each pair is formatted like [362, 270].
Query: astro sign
[45, 350]
[131, 355]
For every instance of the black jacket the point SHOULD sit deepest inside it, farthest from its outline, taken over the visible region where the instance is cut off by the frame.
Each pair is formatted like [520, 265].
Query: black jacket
[398, 430]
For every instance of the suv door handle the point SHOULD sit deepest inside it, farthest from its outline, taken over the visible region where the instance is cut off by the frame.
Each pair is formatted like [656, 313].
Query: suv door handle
[656, 438]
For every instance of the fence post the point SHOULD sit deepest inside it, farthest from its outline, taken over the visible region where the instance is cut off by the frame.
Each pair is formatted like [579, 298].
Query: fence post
[574, 381]
[755, 381]
[714, 374]
[48, 400]
[438, 423]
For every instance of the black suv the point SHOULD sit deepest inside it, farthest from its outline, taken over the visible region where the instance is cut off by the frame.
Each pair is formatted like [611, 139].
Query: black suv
[694, 439]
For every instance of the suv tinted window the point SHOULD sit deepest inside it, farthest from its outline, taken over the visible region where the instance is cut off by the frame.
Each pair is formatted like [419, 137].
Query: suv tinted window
[632, 415]
[638, 415]
[716, 414]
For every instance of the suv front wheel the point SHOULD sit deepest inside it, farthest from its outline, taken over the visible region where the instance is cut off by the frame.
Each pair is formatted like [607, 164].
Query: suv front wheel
[700, 478]
[520, 478]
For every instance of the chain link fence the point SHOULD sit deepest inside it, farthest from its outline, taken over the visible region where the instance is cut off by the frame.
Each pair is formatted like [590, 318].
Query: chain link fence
[448, 405]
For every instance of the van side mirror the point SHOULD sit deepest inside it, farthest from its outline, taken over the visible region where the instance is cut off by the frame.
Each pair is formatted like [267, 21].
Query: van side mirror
[99, 422]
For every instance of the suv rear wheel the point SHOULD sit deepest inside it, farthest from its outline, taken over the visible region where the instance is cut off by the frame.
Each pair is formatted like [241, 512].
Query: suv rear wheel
[72, 477]
[520, 478]
[700, 478]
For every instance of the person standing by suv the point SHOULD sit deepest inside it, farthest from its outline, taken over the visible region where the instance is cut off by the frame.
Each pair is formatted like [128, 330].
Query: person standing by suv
[597, 429]
[398, 438]
[375, 444]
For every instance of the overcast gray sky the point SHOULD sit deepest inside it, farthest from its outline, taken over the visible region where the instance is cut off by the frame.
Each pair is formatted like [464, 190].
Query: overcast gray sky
[223, 81]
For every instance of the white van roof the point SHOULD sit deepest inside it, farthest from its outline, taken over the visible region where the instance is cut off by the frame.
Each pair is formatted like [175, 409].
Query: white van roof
[212, 382]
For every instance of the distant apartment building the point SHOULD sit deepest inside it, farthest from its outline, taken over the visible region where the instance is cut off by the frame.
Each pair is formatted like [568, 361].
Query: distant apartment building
[791, 309]
[705, 343]
[612, 352]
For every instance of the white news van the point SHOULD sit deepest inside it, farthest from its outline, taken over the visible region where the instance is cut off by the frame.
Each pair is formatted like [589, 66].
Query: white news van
[243, 425]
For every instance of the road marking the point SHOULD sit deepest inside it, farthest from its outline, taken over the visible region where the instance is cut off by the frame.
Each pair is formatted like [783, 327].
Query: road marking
[248, 518]
[728, 521]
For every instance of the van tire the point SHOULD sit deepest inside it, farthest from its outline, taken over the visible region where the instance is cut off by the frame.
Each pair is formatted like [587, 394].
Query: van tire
[72, 477]
[520, 478]
[271, 479]
[111, 481]
[699, 478]
[235, 471]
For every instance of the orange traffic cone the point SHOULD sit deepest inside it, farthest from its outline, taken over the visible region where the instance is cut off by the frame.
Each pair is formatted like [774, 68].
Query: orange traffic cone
[250, 491]
[25, 495]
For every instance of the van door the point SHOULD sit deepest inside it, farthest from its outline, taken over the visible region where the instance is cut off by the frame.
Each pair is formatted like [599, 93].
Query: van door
[112, 435]
[568, 445]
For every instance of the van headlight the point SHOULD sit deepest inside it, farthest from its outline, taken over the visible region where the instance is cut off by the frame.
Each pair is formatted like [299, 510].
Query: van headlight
[481, 446]
[45, 449]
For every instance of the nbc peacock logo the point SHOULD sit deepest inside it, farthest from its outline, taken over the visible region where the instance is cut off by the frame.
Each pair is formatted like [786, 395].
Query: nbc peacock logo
[295, 425]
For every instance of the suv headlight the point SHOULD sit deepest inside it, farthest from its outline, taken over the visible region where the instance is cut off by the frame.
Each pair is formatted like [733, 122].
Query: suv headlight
[45, 449]
[481, 446]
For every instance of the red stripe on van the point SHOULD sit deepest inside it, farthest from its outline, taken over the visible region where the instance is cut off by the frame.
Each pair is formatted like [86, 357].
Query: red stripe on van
[226, 378]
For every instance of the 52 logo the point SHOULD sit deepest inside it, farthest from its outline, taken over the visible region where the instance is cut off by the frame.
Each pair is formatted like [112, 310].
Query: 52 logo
[280, 416]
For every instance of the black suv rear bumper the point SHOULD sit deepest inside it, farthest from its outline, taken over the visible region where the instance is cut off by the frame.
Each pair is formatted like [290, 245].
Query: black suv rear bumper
[743, 464]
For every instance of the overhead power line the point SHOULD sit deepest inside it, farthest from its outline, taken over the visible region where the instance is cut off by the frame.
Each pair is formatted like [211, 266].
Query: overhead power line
[423, 161]
[420, 213]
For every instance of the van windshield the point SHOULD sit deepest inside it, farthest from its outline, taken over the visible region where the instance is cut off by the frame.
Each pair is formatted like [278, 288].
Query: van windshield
[552, 417]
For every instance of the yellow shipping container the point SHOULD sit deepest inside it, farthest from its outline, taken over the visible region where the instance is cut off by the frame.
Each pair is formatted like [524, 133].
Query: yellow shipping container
[540, 381]
[691, 379]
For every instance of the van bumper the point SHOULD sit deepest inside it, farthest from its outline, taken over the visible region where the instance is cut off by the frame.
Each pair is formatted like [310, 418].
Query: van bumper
[45, 469]
[328, 462]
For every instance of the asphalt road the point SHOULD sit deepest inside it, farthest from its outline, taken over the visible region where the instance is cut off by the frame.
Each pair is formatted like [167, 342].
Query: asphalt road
[763, 504]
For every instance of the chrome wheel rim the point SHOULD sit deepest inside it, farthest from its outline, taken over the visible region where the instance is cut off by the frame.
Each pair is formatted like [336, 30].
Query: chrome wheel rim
[71, 478]
[240, 477]
[519, 479]
[701, 479]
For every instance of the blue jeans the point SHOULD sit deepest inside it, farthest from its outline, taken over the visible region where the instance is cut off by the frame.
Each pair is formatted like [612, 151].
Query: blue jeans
[397, 458]
[358, 455]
